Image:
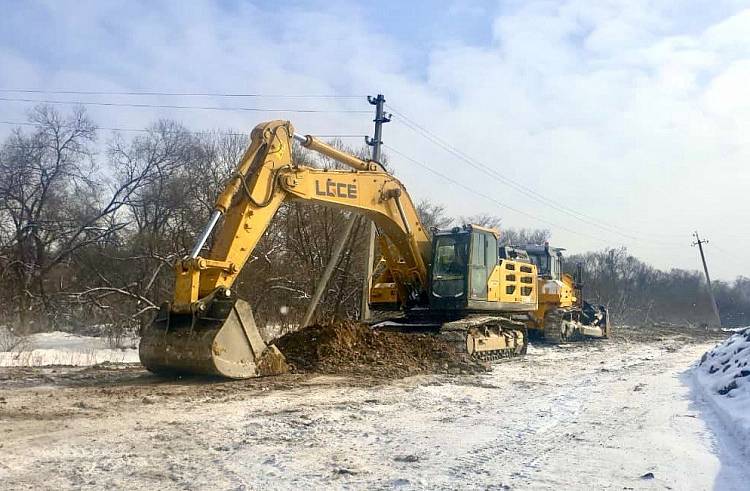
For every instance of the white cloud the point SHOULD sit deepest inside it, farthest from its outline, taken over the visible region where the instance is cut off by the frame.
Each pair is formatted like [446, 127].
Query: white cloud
[632, 112]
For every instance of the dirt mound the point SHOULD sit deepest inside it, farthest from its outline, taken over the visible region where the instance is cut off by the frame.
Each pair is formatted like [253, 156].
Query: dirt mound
[350, 347]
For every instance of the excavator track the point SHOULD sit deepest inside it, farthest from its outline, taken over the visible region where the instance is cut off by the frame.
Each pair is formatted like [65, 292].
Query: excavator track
[485, 338]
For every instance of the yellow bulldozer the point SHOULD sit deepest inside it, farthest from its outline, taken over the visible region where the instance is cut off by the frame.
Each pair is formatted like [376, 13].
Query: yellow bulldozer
[562, 314]
[456, 283]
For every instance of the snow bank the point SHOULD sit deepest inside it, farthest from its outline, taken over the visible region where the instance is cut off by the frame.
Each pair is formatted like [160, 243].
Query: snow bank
[734, 329]
[723, 375]
[61, 348]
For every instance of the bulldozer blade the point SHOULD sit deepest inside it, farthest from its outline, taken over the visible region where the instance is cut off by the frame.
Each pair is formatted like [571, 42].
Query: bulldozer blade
[226, 345]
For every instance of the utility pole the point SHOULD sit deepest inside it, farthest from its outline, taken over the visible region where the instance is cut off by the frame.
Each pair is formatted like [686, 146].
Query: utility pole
[698, 242]
[376, 142]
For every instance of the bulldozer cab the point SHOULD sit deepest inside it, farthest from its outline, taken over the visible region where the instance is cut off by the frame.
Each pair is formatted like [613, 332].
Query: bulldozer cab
[463, 259]
[548, 260]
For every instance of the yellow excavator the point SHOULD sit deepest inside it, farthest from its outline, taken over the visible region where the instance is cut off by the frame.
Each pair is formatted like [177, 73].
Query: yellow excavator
[455, 281]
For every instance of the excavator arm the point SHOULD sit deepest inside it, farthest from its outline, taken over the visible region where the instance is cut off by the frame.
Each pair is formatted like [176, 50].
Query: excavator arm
[267, 177]
[206, 329]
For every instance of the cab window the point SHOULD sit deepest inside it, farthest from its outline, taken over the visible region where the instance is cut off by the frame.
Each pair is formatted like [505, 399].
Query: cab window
[450, 257]
[542, 263]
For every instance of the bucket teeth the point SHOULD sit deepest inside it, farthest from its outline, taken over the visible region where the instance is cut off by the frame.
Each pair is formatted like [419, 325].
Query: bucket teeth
[223, 342]
[272, 362]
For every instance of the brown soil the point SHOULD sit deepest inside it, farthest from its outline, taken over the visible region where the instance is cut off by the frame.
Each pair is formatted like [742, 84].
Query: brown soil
[350, 347]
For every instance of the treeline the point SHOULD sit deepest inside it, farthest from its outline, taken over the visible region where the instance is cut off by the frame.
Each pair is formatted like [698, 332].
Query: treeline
[637, 293]
[90, 229]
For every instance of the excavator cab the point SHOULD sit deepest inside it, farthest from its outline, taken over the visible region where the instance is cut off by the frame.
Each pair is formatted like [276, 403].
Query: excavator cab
[468, 273]
[449, 276]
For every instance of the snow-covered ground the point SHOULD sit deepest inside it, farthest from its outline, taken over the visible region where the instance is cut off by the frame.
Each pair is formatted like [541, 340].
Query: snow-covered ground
[723, 380]
[62, 348]
[611, 415]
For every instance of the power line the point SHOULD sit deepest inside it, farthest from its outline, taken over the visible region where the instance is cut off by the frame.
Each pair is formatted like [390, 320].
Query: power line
[486, 169]
[207, 132]
[174, 106]
[490, 198]
[728, 254]
[405, 120]
[733, 236]
[478, 193]
[181, 94]
[133, 130]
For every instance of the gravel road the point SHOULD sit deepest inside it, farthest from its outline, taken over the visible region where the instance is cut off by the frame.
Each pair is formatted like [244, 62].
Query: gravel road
[608, 415]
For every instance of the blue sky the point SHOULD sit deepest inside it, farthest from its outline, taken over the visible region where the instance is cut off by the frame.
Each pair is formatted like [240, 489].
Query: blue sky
[634, 113]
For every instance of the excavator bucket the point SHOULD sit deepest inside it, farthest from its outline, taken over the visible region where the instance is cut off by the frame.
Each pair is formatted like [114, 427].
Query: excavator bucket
[220, 340]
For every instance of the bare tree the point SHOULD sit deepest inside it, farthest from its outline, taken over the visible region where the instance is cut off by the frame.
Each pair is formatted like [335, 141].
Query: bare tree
[521, 236]
[57, 202]
[484, 220]
[91, 238]
[177, 172]
[433, 215]
[52, 200]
